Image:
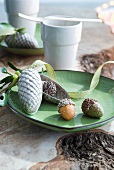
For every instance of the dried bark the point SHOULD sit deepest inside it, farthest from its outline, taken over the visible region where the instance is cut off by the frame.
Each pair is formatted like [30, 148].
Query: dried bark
[90, 62]
[90, 150]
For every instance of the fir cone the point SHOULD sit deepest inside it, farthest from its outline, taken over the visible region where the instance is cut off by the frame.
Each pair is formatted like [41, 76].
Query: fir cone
[21, 40]
[30, 90]
[49, 88]
[66, 108]
[92, 108]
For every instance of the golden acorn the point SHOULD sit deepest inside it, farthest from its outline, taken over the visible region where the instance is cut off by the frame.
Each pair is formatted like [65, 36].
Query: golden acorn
[66, 108]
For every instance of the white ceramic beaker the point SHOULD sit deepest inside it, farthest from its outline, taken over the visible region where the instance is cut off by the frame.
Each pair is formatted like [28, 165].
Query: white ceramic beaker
[60, 41]
[28, 7]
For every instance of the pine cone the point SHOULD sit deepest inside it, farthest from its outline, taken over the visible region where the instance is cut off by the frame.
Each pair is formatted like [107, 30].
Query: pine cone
[21, 40]
[92, 108]
[66, 108]
[30, 90]
[49, 88]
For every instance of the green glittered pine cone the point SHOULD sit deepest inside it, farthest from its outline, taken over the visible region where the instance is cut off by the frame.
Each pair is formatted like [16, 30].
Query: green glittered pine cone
[21, 40]
[30, 90]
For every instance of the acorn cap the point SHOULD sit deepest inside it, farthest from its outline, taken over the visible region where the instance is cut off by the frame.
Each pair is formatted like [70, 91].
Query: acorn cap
[61, 93]
[92, 108]
[49, 88]
[65, 102]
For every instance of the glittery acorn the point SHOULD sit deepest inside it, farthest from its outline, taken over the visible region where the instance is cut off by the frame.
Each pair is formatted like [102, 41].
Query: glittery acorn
[66, 108]
[49, 88]
[92, 108]
[52, 91]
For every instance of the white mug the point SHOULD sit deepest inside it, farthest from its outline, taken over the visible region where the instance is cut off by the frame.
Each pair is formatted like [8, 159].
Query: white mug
[28, 7]
[60, 41]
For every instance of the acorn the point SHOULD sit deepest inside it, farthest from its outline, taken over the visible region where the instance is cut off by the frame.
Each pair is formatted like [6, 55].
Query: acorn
[92, 108]
[30, 90]
[21, 39]
[49, 88]
[66, 108]
[56, 92]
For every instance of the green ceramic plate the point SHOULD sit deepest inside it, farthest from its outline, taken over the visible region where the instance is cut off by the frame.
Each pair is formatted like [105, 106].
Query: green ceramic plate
[48, 116]
[21, 51]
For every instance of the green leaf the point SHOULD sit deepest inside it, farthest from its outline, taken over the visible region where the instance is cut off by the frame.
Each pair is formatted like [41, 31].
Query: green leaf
[6, 80]
[6, 25]
[6, 29]
[3, 99]
[2, 86]
[13, 83]
[13, 67]
[21, 30]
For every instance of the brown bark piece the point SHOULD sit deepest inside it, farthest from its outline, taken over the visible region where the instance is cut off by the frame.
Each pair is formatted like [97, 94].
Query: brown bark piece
[90, 62]
[87, 150]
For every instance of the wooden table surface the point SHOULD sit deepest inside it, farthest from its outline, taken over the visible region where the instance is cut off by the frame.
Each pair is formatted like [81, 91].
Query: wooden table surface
[23, 144]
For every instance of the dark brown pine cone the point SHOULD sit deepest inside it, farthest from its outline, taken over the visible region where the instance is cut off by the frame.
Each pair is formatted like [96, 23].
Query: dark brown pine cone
[49, 88]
